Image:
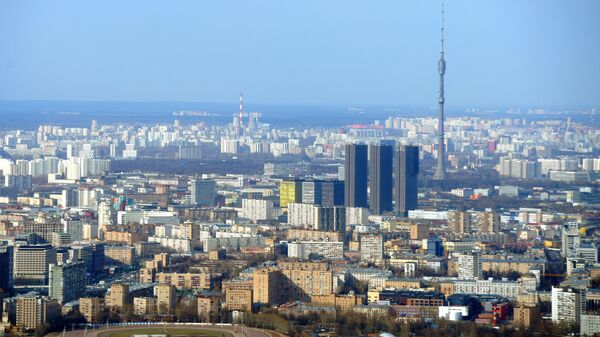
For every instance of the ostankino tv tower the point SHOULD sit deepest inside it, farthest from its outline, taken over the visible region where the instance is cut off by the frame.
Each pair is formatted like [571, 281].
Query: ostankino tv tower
[440, 170]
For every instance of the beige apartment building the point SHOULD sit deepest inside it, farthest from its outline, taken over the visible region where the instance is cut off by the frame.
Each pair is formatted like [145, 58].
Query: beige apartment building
[165, 299]
[209, 308]
[91, 308]
[33, 311]
[238, 295]
[144, 306]
[117, 297]
[187, 280]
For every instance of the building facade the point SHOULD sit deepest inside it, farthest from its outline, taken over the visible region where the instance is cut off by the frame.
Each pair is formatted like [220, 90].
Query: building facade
[67, 281]
[356, 176]
[381, 171]
[407, 172]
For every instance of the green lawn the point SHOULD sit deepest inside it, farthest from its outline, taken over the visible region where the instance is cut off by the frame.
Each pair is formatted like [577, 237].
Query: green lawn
[171, 332]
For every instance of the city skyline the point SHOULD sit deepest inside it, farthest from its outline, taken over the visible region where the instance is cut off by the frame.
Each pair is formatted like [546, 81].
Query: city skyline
[187, 221]
[429, 202]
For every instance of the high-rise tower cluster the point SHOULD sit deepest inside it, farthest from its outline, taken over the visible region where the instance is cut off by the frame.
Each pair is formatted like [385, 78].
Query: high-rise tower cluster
[381, 174]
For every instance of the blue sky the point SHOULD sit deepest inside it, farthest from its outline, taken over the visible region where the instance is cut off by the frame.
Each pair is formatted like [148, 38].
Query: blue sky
[510, 52]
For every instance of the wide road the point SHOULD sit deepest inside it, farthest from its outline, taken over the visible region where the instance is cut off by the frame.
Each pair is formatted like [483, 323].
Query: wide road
[233, 331]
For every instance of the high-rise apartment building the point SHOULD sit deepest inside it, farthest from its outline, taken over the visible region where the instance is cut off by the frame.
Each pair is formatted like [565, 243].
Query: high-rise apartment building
[144, 306]
[290, 191]
[91, 308]
[459, 222]
[266, 286]
[165, 299]
[407, 172]
[567, 305]
[381, 171]
[306, 249]
[106, 214]
[257, 209]
[301, 284]
[91, 252]
[371, 248]
[419, 231]
[117, 297]
[238, 294]
[31, 264]
[312, 192]
[357, 216]
[202, 192]
[356, 176]
[300, 215]
[329, 219]
[526, 316]
[309, 216]
[488, 222]
[323, 192]
[313, 235]
[200, 280]
[67, 281]
[119, 254]
[209, 308]
[295, 281]
[33, 311]
[570, 238]
[469, 266]
[44, 227]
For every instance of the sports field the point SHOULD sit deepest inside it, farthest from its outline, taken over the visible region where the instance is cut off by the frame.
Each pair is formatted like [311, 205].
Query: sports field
[171, 332]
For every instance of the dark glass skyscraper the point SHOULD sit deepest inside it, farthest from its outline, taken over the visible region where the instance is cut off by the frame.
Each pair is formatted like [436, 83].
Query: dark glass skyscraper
[381, 178]
[6, 269]
[332, 193]
[355, 176]
[407, 171]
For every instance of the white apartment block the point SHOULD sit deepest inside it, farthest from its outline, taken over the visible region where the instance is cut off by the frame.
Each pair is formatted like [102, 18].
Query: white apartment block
[327, 249]
[257, 209]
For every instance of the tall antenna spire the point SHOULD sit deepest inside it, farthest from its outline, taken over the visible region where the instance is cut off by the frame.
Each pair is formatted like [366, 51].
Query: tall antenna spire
[440, 170]
[442, 27]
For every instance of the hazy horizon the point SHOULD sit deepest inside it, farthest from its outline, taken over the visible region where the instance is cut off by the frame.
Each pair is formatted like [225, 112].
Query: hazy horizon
[27, 115]
[234, 102]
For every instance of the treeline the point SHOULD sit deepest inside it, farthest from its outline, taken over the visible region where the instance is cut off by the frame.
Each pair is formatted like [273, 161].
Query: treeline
[357, 324]
[188, 166]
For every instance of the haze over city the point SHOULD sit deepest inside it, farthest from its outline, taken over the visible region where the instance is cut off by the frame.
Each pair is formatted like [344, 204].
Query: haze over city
[312, 168]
